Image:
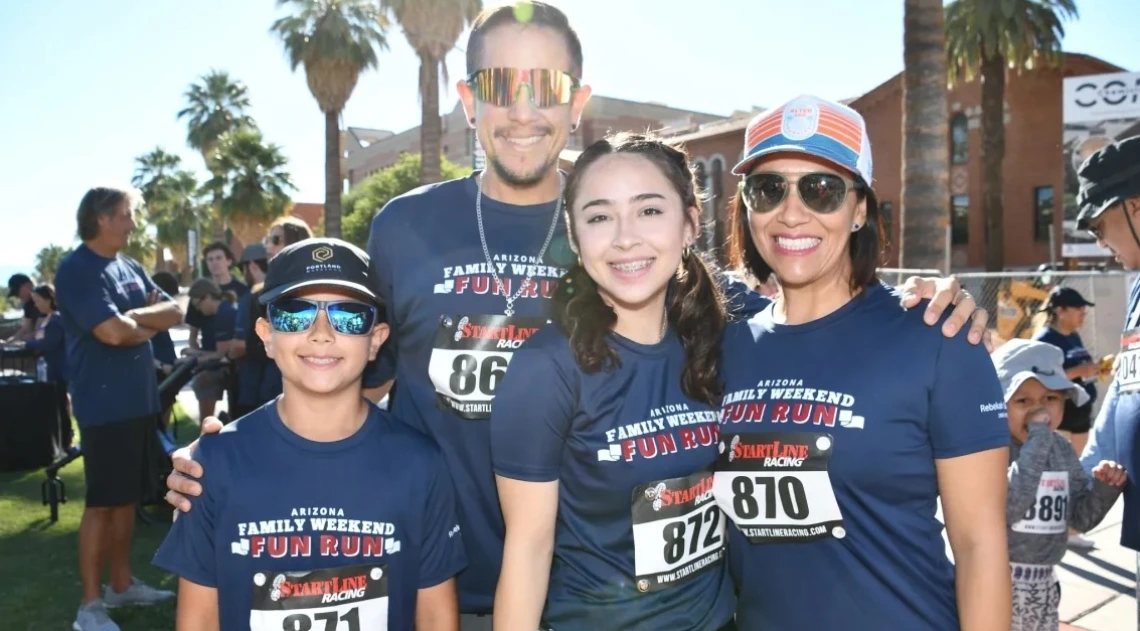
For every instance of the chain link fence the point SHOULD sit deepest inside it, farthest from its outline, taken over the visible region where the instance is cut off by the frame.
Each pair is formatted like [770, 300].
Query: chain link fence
[1014, 300]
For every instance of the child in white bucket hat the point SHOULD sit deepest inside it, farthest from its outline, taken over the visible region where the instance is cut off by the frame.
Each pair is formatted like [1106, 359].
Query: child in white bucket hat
[1049, 491]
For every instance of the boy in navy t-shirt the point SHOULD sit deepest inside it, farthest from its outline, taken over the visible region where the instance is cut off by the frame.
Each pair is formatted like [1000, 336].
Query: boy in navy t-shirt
[321, 511]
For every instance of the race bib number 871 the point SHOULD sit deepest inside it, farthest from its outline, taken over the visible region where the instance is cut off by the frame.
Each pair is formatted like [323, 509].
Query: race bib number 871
[337, 599]
[469, 359]
[775, 486]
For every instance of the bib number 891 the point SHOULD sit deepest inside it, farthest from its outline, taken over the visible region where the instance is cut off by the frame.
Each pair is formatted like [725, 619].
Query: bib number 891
[676, 534]
[790, 490]
[1048, 508]
[302, 622]
[468, 373]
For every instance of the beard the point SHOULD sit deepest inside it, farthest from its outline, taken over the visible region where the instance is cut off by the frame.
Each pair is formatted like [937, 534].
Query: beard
[521, 180]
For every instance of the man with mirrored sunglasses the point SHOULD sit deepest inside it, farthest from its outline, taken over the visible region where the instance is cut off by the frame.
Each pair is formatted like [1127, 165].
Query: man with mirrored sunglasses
[467, 267]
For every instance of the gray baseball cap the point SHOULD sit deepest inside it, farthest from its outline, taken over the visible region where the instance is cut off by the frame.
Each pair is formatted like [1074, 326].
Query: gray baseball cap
[1018, 360]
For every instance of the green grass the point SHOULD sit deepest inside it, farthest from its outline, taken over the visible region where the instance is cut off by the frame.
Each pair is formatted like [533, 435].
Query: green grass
[39, 574]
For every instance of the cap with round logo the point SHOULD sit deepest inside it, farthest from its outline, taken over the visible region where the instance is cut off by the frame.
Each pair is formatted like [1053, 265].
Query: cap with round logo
[317, 262]
[814, 126]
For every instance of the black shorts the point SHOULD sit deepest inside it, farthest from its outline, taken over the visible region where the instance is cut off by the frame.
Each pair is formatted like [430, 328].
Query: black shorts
[1077, 420]
[123, 462]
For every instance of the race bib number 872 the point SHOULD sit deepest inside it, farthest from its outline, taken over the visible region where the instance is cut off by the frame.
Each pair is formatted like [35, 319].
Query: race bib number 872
[678, 532]
[775, 486]
[337, 599]
[469, 359]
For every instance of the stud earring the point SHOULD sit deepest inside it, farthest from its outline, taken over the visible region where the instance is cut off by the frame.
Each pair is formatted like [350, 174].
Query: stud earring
[472, 121]
[855, 227]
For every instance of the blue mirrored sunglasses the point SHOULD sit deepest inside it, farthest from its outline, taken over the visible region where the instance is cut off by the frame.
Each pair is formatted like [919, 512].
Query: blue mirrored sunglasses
[297, 315]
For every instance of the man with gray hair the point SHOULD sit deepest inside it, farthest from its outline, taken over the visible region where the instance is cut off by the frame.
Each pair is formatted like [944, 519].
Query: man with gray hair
[110, 310]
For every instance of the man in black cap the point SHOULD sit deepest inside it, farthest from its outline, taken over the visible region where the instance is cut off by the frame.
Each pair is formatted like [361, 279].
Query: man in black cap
[1109, 200]
[20, 287]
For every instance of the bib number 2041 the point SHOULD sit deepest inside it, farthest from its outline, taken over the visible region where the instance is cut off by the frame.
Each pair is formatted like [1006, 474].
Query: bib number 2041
[775, 486]
[469, 359]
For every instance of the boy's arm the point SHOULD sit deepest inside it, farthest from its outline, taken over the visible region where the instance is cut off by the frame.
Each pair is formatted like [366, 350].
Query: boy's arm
[197, 607]
[1090, 499]
[1025, 472]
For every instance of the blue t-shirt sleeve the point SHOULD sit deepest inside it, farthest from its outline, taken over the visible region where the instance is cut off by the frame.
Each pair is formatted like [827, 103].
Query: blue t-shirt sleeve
[967, 404]
[85, 300]
[383, 369]
[528, 432]
[195, 318]
[442, 554]
[241, 317]
[189, 547]
[225, 322]
[52, 339]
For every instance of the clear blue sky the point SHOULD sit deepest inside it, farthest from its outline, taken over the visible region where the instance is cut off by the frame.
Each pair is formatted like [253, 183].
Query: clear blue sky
[87, 86]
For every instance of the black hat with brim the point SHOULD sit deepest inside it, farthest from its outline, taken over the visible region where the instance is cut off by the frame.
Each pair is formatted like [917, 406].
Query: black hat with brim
[1108, 177]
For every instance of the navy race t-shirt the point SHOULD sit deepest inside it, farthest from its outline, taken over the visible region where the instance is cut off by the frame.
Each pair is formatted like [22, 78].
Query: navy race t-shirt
[828, 440]
[453, 339]
[296, 534]
[1075, 355]
[108, 384]
[639, 541]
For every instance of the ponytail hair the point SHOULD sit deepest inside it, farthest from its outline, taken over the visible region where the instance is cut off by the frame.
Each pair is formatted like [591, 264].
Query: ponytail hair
[695, 302]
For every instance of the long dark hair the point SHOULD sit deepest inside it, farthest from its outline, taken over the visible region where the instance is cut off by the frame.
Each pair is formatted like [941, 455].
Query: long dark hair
[696, 308]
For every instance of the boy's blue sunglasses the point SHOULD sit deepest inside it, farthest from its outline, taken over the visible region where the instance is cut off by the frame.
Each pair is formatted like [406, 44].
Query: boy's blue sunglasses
[297, 315]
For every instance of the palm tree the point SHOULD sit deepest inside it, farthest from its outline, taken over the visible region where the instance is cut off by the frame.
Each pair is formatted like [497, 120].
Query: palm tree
[335, 40]
[926, 153]
[432, 28]
[252, 178]
[215, 105]
[152, 170]
[983, 38]
[47, 262]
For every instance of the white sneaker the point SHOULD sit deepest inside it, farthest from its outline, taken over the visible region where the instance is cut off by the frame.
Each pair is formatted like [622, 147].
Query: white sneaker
[139, 593]
[1081, 542]
[93, 617]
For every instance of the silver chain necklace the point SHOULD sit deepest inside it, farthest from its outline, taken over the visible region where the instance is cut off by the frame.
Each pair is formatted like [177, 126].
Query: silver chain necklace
[510, 310]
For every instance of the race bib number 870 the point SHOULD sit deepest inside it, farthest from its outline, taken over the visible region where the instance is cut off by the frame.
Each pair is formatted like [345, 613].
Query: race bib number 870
[775, 486]
[338, 599]
[469, 359]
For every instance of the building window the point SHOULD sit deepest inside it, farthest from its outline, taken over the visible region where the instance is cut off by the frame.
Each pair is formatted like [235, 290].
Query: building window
[959, 220]
[959, 139]
[1042, 212]
[886, 212]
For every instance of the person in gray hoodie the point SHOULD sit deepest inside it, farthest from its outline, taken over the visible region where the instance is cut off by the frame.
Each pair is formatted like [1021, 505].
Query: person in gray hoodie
[1049, 491]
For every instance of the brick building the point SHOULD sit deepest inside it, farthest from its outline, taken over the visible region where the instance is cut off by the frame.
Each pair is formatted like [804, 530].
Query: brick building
[1033, 169]
[370, 150]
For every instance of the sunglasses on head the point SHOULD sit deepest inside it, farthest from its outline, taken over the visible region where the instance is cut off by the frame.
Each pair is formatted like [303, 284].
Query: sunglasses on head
[500, 87]
[297, 315]
[821, 192]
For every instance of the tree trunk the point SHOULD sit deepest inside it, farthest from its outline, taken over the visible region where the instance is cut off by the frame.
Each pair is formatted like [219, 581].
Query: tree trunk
[431, 129]
[993, 155]
[925, 210]
[333, 183]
